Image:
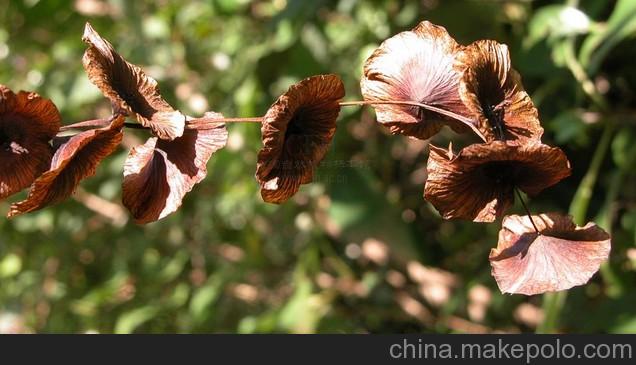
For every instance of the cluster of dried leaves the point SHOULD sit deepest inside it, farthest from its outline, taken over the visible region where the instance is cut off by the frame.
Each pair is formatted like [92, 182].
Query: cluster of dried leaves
[535, 253]
[419, 81]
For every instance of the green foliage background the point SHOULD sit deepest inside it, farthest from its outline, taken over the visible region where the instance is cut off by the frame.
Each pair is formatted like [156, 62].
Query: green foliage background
[359, 250]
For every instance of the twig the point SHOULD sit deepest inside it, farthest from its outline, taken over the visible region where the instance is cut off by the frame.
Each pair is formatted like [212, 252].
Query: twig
[525, 207]
[467, 121]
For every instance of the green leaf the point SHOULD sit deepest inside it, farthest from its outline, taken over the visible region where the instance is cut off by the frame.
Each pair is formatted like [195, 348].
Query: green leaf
[304, 310]
[129, 321]
[10, 265]
[231, 6]
[205, 297]
[361, 210]
[89, 304]
[628, 222]
[621, 24]
[628, 326]
[581, 200]
[568, 127]
[556, 21]
[174, 267]
[624, 148]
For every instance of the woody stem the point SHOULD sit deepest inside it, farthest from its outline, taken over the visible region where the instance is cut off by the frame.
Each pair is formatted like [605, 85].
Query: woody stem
[467, 121]
[525, 207]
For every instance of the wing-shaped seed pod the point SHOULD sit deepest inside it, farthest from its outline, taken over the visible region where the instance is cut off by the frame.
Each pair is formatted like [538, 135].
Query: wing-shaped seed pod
[561, 255]
[415, 66]
[73, 161]
[159, 173]
[492, 91]
[27, 123]
[478, 182]
[297, 132]
[129, 89]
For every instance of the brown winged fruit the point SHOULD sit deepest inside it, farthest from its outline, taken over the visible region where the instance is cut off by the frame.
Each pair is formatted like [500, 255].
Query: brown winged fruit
[129, 89]
[492, 91]
[74, 160]
[415, 66]
[478, 182]
[27, 123]
[297, 131]
[560, 256]
[159, 173]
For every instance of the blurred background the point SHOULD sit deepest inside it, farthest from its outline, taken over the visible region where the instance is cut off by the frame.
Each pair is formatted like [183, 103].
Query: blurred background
[357, 251]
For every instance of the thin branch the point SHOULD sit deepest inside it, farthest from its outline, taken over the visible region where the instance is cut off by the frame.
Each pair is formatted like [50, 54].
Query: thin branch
[87, 124]
[579, 73]
[525, 207]
[113, 212]
[467, 121]
[202, 123]
[135, 126]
